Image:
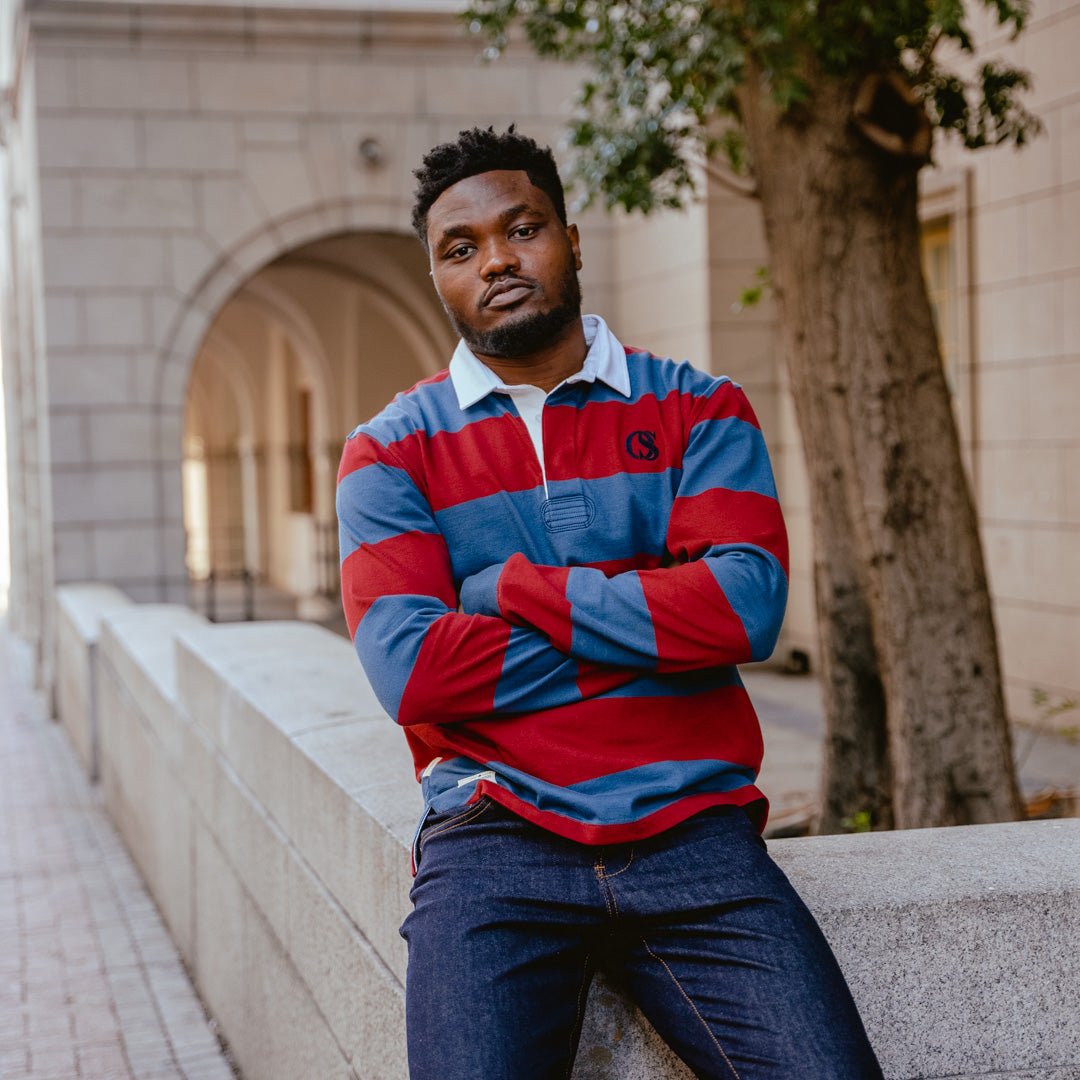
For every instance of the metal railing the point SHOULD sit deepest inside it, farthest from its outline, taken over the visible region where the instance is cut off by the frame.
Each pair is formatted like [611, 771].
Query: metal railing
[327, 560]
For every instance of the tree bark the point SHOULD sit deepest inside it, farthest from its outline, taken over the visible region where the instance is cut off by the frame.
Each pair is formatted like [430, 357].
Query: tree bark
[894, 521]
[857, 776]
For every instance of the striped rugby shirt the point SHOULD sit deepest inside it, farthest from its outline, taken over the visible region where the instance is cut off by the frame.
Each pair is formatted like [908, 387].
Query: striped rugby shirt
[564, 639]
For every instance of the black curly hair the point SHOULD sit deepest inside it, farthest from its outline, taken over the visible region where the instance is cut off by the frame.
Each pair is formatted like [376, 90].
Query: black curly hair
[479, 151]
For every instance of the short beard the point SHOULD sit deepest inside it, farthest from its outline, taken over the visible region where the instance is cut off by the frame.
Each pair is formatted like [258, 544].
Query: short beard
[531, 333]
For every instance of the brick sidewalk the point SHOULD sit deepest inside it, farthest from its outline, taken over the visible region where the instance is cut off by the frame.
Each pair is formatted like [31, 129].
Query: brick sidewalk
[90, 983]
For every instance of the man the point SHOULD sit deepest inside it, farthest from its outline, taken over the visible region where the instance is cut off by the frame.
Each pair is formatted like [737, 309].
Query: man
[553, 556]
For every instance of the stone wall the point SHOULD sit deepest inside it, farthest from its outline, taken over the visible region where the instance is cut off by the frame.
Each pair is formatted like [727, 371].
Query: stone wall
[24, 453]
[1023, 367]
[270, 803]
[79, 610]
[180, 153]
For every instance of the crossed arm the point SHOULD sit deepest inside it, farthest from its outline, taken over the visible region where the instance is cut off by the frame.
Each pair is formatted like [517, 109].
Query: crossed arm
[529, 637]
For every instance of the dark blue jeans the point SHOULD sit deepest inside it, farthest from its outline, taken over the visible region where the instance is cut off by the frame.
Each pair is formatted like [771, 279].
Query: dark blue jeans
[698, 925]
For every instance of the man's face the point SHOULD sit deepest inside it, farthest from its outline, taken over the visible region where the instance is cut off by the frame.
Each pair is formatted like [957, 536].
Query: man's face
[504, 265]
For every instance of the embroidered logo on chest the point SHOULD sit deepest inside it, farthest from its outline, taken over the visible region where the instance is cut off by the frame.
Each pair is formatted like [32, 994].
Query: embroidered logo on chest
[641, 445]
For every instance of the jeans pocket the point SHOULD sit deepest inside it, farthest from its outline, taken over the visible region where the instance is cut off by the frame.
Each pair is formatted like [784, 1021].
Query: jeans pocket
[437, 824]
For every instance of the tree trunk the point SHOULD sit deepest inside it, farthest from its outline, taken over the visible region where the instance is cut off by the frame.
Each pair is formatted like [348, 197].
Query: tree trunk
[857, 777]
[894, 520]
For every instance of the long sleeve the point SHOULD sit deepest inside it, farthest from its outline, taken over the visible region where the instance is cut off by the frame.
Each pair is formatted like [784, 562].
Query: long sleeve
[427, 662]
[721, 603]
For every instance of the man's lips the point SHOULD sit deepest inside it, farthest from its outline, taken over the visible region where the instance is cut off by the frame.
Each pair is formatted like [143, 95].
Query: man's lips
[506, 293]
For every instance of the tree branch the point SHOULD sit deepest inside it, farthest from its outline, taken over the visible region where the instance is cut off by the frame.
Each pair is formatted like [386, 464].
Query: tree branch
[873, 111]
[739, 185]
[927, 56]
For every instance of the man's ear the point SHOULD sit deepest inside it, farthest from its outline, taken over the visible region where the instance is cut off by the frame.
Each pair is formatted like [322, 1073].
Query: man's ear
[575, 244]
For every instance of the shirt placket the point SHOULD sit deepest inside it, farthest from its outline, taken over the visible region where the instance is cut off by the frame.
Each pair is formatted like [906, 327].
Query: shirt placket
[530, 408]
[567, 506]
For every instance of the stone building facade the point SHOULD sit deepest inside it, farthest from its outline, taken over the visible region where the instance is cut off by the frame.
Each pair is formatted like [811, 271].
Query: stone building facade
[209, 279]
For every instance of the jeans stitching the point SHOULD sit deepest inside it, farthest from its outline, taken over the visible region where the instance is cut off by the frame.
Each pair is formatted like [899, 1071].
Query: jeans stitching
[624, 869]
[598, 870]
[453, 823]
[579, 1015]
[690, 1001]
[606, 891]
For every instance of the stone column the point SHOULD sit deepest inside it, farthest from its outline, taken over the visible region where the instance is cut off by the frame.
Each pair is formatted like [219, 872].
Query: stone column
[249, 494]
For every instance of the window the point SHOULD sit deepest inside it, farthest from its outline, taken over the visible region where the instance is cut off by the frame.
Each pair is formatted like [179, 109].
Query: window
[301, 464]
[945, 216]
[939, 270]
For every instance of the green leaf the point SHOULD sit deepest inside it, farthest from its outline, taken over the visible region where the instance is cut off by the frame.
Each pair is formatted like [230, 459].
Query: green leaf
[664, 72]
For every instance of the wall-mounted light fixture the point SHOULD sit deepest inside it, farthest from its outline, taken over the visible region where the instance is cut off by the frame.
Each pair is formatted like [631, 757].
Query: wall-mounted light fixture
[370, 152]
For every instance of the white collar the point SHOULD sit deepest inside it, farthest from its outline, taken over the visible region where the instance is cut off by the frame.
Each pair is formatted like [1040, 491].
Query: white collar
[606, 360]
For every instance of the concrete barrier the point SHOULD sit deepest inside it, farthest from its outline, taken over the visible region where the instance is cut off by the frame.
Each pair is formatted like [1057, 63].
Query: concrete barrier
[79, 609]
[270, 804]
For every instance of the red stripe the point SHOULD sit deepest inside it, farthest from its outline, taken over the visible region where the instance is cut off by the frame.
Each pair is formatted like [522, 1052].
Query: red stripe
[362, 450]
[627, 832]
[495, 454]
[456, 671]
[621, 437]
[680, 643]
[720, 516]
[438, 377]
[594, 679]
[611, 567]
[726, 401]
[536, 596]
[486, 457]
[594, 738]
[412, 563]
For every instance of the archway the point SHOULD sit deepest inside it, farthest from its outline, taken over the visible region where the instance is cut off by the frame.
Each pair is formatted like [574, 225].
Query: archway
[314, 342]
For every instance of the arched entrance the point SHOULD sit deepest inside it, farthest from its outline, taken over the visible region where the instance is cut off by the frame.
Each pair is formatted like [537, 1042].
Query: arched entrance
[312, 344]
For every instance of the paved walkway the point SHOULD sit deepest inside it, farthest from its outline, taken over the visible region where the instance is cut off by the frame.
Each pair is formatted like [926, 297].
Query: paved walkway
[90, 983]
[793, 724]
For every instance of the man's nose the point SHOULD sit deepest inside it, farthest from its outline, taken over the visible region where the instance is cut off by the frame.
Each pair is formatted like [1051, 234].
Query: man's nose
[499, 258]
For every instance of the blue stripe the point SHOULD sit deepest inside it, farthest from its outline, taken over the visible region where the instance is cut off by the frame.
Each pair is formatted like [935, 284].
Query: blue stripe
[756, 587]
[489, 530]
[440, 786]
[649, 375]
[629, 795]
[653, 375]
[629, 518]
[679, 684]
[377, 502]
[626, 506]
[388, 643]
[733, 456]
[431, 409]
[599, 604]
[535, 675]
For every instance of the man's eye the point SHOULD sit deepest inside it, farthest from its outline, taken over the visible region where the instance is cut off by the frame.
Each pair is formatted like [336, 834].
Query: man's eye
[459, 252]
[524, 231]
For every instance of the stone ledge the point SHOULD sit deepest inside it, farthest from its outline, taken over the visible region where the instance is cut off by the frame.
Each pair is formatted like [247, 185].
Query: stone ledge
[79, 611]
[965, 936]
[958, 943]
[240, 898]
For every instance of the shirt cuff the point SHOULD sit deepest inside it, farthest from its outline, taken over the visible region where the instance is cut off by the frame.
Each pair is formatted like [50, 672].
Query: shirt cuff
[480, 593]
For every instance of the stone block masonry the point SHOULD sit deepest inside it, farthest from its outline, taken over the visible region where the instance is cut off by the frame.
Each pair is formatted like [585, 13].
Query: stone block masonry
[270, 803]
[78, 622]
